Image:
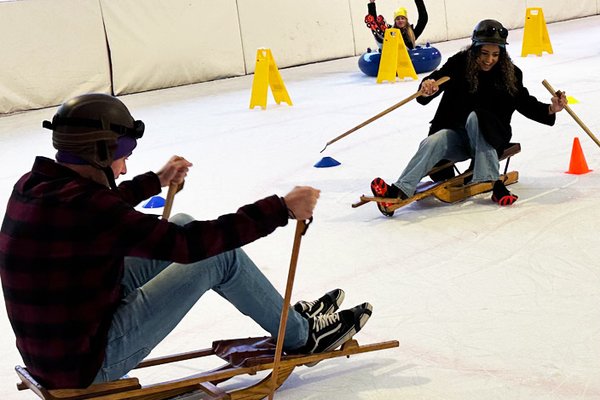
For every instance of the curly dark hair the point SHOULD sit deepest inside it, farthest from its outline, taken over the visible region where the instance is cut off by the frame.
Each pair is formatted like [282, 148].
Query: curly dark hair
[505, 64]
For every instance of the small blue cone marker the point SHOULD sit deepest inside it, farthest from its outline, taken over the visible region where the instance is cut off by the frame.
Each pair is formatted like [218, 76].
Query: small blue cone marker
[155, 202]
[327, 162]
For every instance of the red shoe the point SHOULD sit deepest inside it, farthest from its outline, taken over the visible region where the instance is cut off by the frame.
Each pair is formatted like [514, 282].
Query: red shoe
[502, 196]
[381, 189]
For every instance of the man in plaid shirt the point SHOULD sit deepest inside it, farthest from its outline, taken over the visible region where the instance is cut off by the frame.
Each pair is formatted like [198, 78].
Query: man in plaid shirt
[86, 291]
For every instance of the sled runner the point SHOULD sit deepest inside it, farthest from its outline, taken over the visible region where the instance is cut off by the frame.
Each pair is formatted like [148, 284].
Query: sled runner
[451, 190]
[242, 356]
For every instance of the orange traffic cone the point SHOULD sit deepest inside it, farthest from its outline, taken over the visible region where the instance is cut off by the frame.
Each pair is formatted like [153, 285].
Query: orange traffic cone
[578, 165]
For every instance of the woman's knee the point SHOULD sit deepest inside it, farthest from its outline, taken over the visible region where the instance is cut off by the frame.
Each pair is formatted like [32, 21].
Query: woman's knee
[472, 121]
[437, 140]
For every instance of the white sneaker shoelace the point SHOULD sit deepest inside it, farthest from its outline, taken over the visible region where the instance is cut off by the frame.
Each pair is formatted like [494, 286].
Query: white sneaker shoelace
[307, 305]
[325, 320]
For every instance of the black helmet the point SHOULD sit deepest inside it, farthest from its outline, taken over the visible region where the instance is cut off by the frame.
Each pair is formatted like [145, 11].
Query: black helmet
[86, 130]
[489, 31]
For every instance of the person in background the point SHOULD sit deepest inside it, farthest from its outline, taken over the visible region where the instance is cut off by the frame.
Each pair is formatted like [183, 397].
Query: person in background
[410, 33]
[92, 285]
[474, 114]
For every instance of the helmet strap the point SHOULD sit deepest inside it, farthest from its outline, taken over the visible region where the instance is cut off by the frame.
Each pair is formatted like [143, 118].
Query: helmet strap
[110, 177]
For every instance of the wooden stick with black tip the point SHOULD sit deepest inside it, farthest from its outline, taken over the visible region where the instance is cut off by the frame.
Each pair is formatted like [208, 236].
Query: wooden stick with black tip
[301, 227]
[384, 112]
[572, 113]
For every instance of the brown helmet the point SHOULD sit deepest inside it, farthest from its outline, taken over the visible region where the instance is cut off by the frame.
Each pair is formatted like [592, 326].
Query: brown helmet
[88, 129]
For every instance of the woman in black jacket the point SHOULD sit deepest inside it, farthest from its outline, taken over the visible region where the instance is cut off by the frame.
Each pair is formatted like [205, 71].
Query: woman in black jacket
[474, 114]
[409, 32]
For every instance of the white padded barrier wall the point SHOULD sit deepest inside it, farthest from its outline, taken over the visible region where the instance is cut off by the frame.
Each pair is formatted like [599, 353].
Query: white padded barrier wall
[163, 43]
[51, 50]
[297, 32]
[557, 10]
[463, 15]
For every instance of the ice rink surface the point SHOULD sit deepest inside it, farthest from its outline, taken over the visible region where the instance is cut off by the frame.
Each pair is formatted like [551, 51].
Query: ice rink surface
[487, 302]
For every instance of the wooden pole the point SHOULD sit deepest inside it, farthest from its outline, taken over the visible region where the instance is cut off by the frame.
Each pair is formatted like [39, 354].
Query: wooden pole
[300, 229]
[173, 188]
[381, 114]
[572, 113]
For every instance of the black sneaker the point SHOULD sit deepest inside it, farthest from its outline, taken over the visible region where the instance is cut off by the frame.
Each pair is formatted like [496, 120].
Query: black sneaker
[327, 332]
[501, 195]
[327, 304]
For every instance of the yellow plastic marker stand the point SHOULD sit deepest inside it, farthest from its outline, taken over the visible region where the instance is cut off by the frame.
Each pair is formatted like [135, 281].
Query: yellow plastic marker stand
[535, 34]
[394, 58]
[266, 74]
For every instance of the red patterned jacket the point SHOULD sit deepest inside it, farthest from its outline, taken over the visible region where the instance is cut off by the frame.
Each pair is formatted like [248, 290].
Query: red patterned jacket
[62, 244]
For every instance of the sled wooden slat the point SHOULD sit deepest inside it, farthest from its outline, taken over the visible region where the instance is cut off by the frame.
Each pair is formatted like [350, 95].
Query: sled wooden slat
[28, 382]
[174, 358]
[207, 381]
[453, 194]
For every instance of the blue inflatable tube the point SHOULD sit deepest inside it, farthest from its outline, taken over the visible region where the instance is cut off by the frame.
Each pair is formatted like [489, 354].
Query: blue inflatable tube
[424, 59]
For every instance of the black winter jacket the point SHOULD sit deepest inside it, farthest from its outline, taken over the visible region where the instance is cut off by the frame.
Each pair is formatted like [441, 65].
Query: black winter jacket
[493, 104]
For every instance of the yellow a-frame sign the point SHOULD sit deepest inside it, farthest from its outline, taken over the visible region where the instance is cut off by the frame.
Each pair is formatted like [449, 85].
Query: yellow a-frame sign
[535, 34]
[394, 58]
[266, 74]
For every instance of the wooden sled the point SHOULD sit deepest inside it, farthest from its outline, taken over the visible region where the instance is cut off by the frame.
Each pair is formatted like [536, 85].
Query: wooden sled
[449, 191]
[242, 356]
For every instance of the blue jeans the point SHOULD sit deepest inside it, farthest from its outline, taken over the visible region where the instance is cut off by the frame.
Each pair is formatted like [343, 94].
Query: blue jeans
[158, 294]
[454, 145]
